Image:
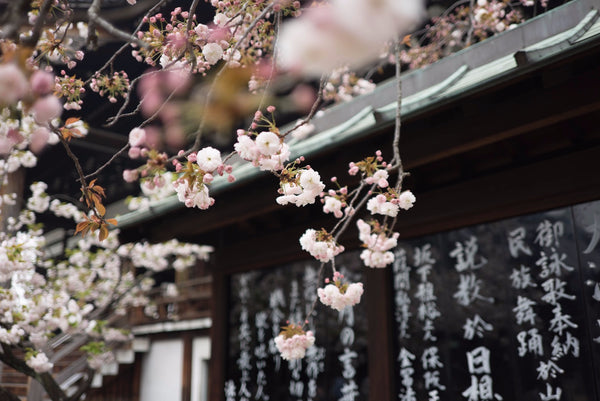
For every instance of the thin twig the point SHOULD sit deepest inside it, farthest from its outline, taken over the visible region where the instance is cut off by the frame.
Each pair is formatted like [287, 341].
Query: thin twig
[356, 209]
[315, 106]
[160, 108]
[105, 165]
[188, 45]
[273, 60]
[314, 304]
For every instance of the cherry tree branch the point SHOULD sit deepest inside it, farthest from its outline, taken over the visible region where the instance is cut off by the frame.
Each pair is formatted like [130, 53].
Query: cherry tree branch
[45, 379]
[93, 14]
[108, 163]
[84, 386]
[39, 24]
[7, 395]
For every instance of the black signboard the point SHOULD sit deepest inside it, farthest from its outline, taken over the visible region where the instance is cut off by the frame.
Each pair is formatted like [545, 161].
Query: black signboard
[508, 310]
[500, 311]
[261, 302]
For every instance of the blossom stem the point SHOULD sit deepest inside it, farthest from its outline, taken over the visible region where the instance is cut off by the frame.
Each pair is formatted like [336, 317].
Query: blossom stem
[315, 106]
[314, 304]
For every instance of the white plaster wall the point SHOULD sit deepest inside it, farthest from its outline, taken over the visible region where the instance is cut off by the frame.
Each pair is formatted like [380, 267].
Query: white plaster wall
[200, 359]
[161, 371]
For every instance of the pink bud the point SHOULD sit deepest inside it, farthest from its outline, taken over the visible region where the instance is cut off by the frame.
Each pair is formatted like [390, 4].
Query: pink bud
[134, 152]
[208, 178]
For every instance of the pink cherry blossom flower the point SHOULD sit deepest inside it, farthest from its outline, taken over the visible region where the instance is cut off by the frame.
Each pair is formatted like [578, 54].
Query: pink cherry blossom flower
[13, 84]
[212, 52]
[246, 148]
[292, 344]
[406, 200]
[42, 82]
[320, 245]
[39, 362]
[333, 205]
[268, 143]
[130, 175]
[46, 109]
[209, 159]
[378, 244]
[137, 137]
[338, 295]
[380, 205]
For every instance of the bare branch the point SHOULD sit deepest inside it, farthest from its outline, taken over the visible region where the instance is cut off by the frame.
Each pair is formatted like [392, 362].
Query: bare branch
[93, 14]
[315, 106]
[105, 165]
[39, 24]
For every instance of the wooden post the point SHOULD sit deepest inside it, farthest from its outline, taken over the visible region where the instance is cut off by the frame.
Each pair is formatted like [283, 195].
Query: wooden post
[379, 335]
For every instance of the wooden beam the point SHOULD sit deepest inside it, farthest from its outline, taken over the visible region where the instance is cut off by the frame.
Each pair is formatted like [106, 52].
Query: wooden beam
[491, 119]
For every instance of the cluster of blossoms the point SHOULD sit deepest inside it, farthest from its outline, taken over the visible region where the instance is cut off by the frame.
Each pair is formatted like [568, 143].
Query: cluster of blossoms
[195, 47]
[77, 293]
[320, 244]
[292, 342]
[151, 192]
[39, 201]
[339, 295]
[66, 210]
[169, 40]
[113, 86]
[459, 28]
[56, 46]
[390, 202]
[378, 243]
[267, 150]
[299, 186]
[372, 169]
[197, 174]
[19, 253]
[70, 88]
[158, 257]
[344, 85]
[335, 200]
[27, 106]
[38, 361]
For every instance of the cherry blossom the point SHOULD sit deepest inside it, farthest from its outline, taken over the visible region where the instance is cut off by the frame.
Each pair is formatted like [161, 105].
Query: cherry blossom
[292, 342]
[39, 362]
[300, 187]
[378, 244]
[338, 295]
[320, 244]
